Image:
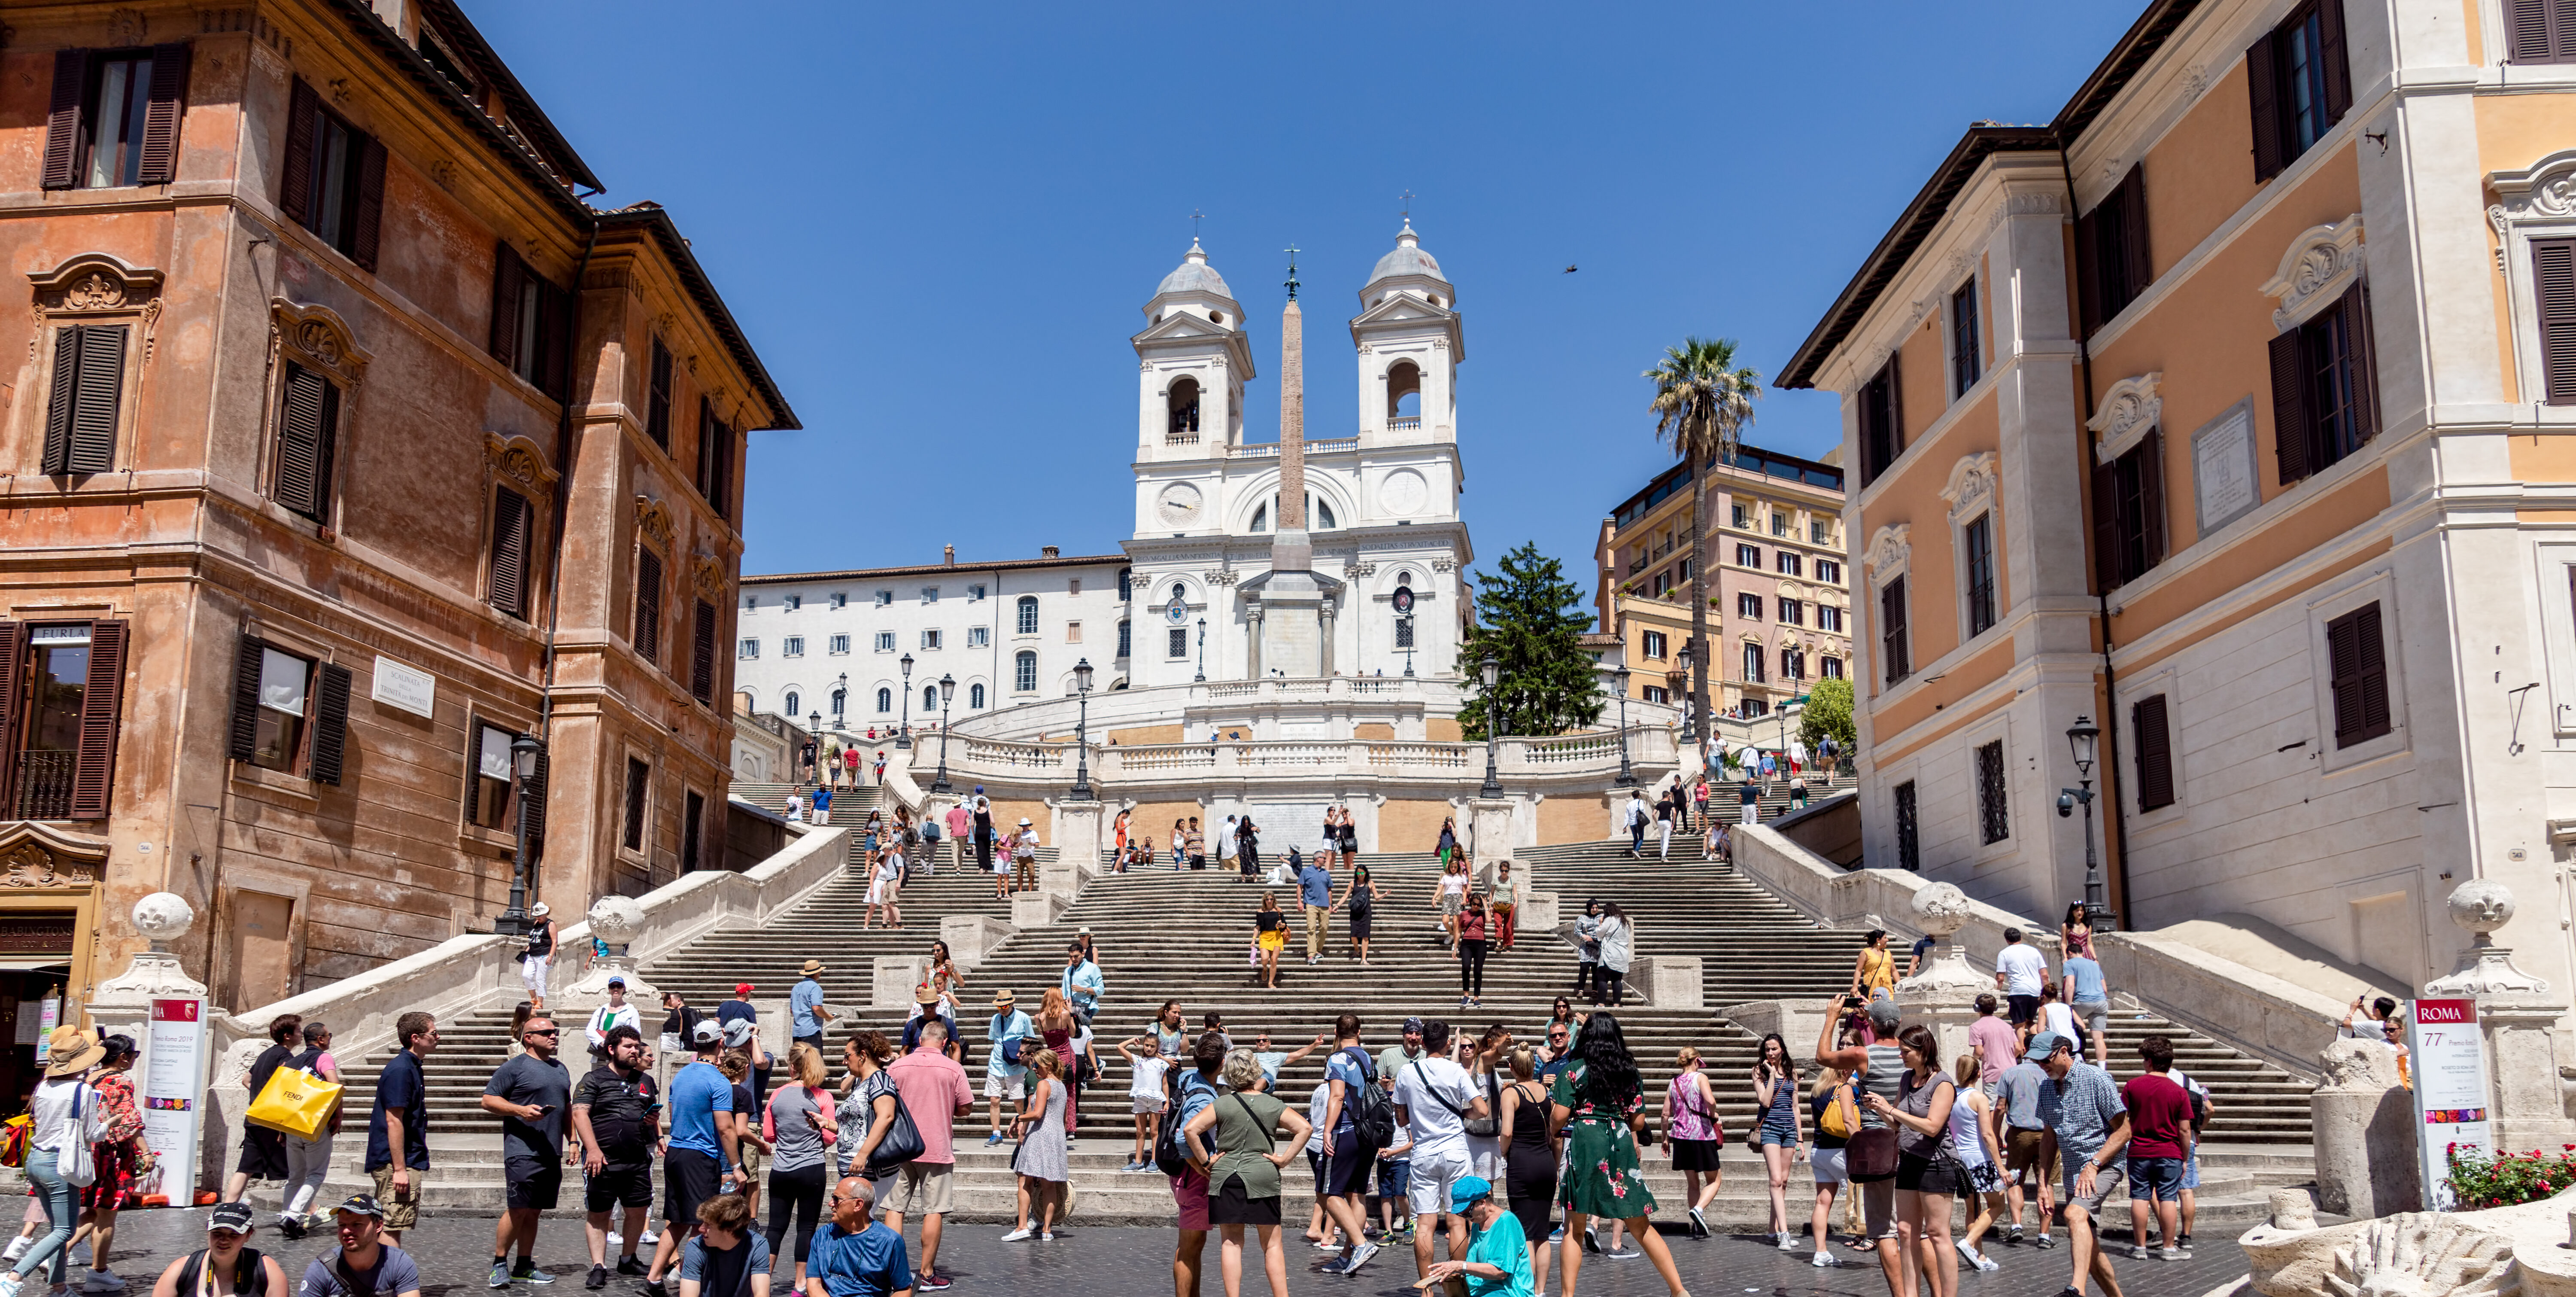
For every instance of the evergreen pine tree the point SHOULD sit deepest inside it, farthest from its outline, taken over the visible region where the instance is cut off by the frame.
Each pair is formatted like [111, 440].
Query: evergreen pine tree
[1532, 620]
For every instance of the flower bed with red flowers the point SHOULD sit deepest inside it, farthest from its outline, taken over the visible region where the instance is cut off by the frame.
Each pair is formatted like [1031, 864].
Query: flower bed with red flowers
[2509, 1178]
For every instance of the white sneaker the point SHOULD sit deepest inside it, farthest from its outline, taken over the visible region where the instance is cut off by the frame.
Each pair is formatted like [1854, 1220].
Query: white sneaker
[17, 1248]
[649, 1237]
[1020, 1235]
[1822, 1259]
[1966, 1253]
[1359, 1257]
[616, 1242]
[1988, 1263]
[1788, 1242]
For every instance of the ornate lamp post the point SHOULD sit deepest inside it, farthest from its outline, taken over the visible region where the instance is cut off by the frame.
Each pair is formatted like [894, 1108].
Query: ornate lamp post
[1404, 613]
[903, 737]
[525, 753]
[1202, 675]
[947, 695]
[2081, 737]
[1619, 681]
[1689, 710]
[1081, 728]
[1493, 724]
[814, 745]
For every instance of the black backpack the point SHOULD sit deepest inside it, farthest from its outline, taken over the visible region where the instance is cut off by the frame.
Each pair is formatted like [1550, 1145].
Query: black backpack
[1168, 1157]
[1372, 1112]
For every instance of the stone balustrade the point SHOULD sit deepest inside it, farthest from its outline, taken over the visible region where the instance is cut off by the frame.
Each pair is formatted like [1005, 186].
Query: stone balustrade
[1586, 758]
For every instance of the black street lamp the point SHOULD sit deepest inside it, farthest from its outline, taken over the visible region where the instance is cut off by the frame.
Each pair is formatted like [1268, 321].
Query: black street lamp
[525, 752]
[947, 694]
[1493, 725]
[1202, 676]
[2081, 738]
[903, 737]
[1619, 681]
[1081, 727]
[1404, 614]
[1690, 700]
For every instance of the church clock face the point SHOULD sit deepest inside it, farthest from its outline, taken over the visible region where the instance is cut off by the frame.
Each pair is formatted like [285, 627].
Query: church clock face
[1179, 504]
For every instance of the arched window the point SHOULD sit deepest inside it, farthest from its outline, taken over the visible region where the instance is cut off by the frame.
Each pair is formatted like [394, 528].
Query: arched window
[885, 700]
[1024, 672]
[975, 696]
[1028, 614]
[1183, 408]
[929, 699]
[1319, 514]
[1404, 578]
[792, 700]
[839, 697]
[1404, 393]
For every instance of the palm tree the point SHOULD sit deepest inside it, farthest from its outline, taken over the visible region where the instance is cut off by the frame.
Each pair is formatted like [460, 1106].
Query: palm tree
[1702, 404]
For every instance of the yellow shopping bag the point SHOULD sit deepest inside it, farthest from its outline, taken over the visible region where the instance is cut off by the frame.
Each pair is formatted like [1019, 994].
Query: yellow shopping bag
[294, 1101]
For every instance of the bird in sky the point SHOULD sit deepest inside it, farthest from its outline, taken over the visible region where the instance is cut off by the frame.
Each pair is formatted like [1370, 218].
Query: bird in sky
[1569, 270]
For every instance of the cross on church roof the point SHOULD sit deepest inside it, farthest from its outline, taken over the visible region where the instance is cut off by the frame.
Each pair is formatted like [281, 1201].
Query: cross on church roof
[1195, 216]
[1407, 195]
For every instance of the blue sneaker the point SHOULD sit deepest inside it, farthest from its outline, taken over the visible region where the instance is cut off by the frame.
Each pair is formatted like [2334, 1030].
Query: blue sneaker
[992, 1139]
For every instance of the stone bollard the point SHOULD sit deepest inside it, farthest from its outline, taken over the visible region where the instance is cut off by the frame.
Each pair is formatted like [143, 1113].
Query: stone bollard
[1668, 981]
[1537, 913]
[970, 937]
[2365, 1134]
[891, 981]
[1037, 909]
[2292, 1209]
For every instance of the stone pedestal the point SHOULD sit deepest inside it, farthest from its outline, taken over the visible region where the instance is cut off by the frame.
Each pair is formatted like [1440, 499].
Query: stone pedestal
[1668, 981]
[1796, 1021]
[1489, 829]
[2365, 1133]
[122, 1006]
[1943, 995]
[615, 920]
[892, 978]
[1038, 909]
[1538, 912]
[1077, 845]
[970, 937]
[2516, 1013]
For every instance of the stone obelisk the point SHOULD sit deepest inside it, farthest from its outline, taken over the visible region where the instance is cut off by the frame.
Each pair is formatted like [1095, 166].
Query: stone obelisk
[1291, 635]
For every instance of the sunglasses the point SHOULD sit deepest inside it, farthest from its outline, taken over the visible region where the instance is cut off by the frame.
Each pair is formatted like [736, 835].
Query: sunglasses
[542, 1031]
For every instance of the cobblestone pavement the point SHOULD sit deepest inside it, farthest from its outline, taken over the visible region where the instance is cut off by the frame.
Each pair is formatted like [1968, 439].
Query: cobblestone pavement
[455, 1259]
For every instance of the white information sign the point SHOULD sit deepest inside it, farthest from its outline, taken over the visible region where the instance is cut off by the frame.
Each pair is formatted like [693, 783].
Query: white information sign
[173, 1067]
[2450, 1066]
[47, 1018]
[407, 687]
[2225, 482]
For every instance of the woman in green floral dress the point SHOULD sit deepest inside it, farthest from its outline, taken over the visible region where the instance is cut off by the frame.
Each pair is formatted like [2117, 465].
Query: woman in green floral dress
[1599, 1105]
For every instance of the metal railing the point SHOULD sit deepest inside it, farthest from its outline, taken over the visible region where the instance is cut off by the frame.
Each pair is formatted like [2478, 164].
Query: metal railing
[45, 785]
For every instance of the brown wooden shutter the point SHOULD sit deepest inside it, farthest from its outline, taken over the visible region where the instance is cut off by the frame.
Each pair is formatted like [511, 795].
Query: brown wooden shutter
[303, 443]
[63, 119]
[2540, 31]
[2137, 268]
[509, 277]
[367, 228]
[2553, 274]
[638, 780]
[657, 400]
[2355, 312]
[510, 518]
[554, 341]
[101, 390]
[62, 401]
[2106, 526]
[702, 667]
[536, 804]
[648, 605]
[102, 703]
[244, 740]
[330, 725]
[2152, 733]
[1891, 618]
[473, 767]
[2088, 272]
[295, 171]
[2291, 426]
[2151, 496]
[2338, 65]
[161, 118]
[1895, 408]
[2373, 673]
[2262, 87]
[13, 661]
[2358, 662]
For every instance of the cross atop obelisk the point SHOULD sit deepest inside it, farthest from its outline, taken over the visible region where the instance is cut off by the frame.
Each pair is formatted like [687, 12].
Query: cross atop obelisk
[1292, 432]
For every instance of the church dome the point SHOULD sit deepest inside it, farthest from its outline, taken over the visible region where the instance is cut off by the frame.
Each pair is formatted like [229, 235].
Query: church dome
[1408, 258]
[1195, 275]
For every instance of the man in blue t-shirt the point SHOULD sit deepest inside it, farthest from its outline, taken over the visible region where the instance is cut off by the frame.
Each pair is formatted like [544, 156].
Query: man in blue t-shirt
[704, 1158]
[1315, 897]
[398, 1126]
[856, 1255]
[1347, 1075]
[805, 1007]
[2090, 999]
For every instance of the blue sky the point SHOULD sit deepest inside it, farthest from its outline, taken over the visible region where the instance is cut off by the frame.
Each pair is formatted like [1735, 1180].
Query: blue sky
[938, 222]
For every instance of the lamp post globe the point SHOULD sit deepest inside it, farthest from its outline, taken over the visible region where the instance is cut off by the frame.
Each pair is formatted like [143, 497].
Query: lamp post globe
[947, 694]
[1081, 731]
[903, 736]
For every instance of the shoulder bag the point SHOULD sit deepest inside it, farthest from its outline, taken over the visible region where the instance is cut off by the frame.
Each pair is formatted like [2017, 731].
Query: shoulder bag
[1871, 1153]
[902, 1141]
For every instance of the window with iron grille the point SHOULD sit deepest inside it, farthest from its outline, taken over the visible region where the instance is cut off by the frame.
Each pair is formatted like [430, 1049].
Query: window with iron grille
[639, 782]
[1909, 847]
[1994, 822]
[1177, 644]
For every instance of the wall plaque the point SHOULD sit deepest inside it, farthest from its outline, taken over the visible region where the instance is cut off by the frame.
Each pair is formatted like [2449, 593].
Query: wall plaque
[2225, 482]
[406, 687]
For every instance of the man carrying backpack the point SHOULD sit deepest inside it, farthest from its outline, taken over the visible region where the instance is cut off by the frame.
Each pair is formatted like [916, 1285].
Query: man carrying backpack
[1192, 1091]
[1005, 1077]
[1358, 1121]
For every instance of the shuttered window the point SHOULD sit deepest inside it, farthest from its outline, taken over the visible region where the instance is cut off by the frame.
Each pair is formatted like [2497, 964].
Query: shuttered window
[639, 781]
[2325, 401]
[702, 653]
[1909, 845]
[715, 459]
[113, 117]
[2150, 733]
[488, 776]
[333, 177]
[1978, 544]
[290, 713]
[308, 425]
[2358, 661]
[2129, 513]
[1967, 357]
[1882, 422]
[648, 605]
[2298, 83]
[2540, 31]
[2112, 266]
[511, 525]
[531, 323]
[62, 691]
[2553, 266]
[1994, 817]
[1892, 640]
[82, 405]
[657, 400]
[693, 826]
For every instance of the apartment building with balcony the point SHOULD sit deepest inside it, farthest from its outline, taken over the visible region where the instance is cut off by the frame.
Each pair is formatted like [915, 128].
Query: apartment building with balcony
[348, 445]
[1778, 609]
[2234, 411]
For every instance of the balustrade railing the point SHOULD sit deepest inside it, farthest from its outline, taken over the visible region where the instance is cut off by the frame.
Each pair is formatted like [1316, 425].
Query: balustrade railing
[45, 785]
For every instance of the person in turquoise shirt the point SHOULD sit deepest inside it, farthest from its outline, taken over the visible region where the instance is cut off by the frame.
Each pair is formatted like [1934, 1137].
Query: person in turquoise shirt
[1497, 1263]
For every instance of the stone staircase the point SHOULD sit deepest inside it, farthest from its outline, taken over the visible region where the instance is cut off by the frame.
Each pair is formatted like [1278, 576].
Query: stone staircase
[1164, 934]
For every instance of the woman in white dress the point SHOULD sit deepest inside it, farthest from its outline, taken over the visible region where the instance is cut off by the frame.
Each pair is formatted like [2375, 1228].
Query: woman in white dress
[885, 886]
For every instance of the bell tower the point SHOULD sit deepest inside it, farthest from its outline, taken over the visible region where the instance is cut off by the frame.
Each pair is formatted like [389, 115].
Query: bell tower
[1193, 360]
[1409, 338]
